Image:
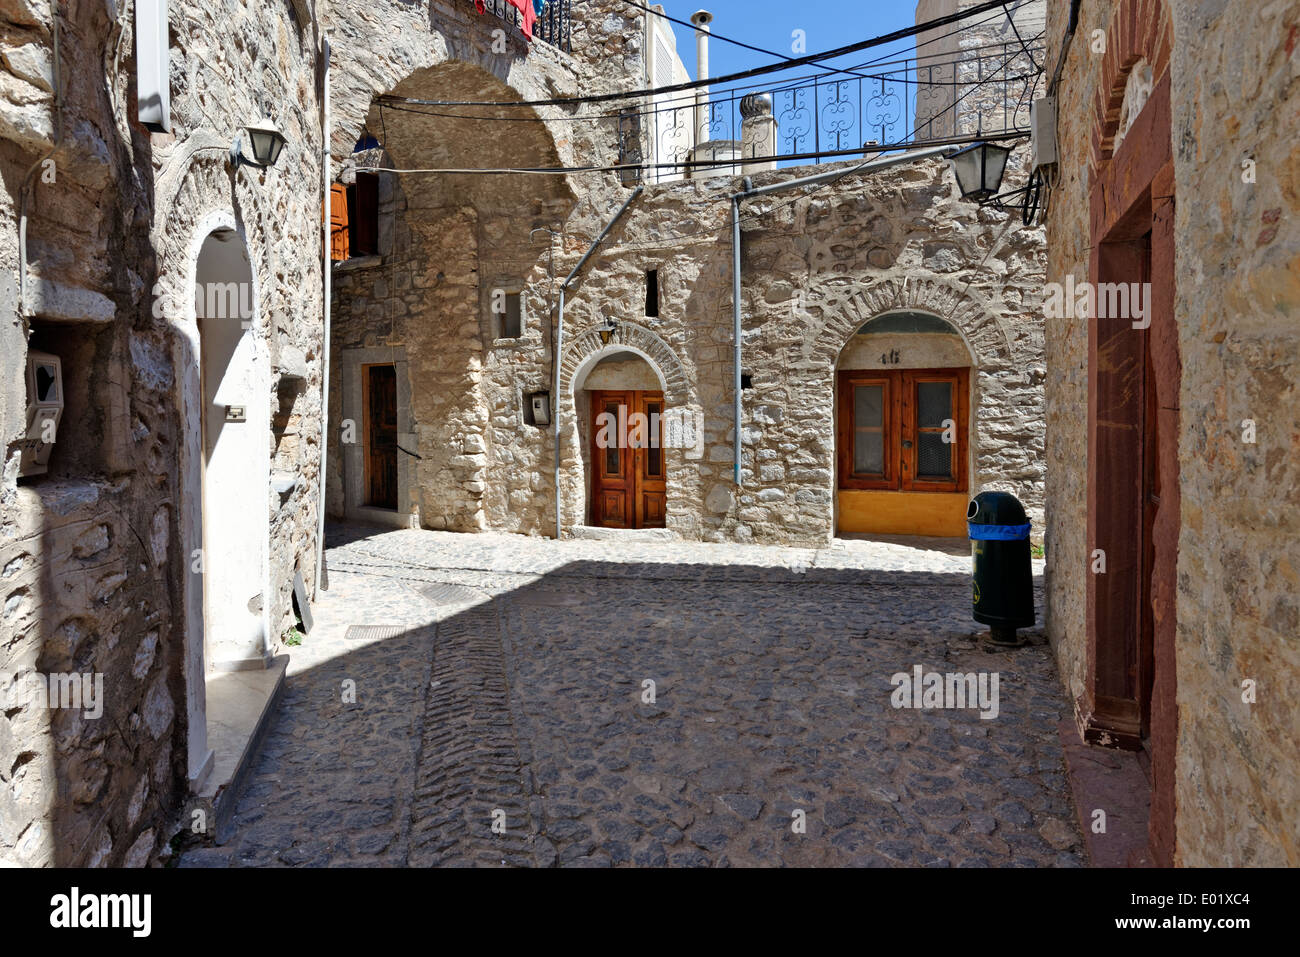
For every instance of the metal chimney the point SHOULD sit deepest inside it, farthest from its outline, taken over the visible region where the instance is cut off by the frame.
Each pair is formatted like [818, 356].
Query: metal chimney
[701, 20]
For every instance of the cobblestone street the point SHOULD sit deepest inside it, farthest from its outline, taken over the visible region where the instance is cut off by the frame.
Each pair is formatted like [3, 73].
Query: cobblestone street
[501, 679]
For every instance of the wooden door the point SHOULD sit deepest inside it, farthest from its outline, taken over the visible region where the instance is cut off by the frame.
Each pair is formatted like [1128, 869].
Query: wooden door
[629, 473]
[381, 436]
[903, 430]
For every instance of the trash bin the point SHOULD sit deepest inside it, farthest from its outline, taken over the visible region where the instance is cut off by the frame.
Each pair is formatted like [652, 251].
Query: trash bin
[1004, 580]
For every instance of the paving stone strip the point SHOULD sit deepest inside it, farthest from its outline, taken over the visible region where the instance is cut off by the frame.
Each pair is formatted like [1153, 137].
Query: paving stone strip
[471, 796]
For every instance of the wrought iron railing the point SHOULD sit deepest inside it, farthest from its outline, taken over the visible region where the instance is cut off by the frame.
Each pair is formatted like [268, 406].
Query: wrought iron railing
[551, 26]
[986, 90]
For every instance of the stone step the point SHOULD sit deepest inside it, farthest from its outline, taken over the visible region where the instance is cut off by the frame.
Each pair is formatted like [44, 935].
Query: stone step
[241, 708]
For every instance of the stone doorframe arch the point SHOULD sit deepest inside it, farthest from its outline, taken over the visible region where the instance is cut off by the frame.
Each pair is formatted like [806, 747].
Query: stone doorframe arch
[581, 355]
[846, 307]
[586, 349]
[195, 197]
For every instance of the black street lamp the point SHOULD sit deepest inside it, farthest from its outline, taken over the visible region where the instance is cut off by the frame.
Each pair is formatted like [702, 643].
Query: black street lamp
[979, 169]
[264, 139]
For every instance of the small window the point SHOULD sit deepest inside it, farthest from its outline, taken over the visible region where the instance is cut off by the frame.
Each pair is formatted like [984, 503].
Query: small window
[508, 311]
[652, 293]
[363, 215]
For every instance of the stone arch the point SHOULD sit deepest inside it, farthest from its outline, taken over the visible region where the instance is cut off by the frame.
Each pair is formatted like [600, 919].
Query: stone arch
[586, 349]
[1134, 35]
[195, 198]
[973, 360]
[844, 309]
[417, 43]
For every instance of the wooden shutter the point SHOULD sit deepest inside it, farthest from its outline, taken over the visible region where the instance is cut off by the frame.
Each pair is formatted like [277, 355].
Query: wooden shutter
[338, 222]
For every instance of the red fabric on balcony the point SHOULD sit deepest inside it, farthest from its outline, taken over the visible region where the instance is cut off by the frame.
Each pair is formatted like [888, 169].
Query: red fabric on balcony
[526, 13]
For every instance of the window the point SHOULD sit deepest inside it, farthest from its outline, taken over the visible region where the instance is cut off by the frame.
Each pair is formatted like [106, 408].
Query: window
[363, 215]
[903, 430]
[354, 218]
[508, 312]
[652, 293]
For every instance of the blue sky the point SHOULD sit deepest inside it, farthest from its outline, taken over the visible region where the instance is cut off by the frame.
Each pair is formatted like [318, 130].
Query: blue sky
[825, 25]
[771, 23]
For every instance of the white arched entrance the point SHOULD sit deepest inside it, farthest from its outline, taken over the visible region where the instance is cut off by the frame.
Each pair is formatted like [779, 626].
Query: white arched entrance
[223, 378]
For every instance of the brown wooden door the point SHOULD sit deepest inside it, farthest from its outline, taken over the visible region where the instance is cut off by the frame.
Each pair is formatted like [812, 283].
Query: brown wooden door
[381, 436]
[903, 430]
[629, 474]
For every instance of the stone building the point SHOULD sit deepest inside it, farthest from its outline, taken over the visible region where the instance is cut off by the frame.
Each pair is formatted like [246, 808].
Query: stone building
[1172, 556]
[160, 309]
[880, 311]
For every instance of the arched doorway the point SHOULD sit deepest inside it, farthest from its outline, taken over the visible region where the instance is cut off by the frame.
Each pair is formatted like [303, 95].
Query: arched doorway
[622, 415]
[903, 412]
[234, 459]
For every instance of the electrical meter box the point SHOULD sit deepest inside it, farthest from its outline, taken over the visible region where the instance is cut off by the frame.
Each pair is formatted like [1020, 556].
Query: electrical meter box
[44, 410]
[541, 407]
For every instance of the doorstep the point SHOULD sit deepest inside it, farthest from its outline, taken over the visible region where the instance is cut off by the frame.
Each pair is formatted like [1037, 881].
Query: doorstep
[241, 705]
[596, 534]
[1113, 781]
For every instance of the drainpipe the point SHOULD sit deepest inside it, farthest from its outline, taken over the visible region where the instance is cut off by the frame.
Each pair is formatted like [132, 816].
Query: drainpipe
[559, 344]
[748, 192]
[322, 581]
[25, 191]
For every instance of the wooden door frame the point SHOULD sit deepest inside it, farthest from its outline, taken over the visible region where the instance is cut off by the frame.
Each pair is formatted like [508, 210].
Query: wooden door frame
[899, 408]
[365, 435]
[1133, 195]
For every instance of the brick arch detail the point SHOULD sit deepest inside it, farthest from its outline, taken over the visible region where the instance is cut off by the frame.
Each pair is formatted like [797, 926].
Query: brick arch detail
[677, 384]
[1139, 30]
[846, 309]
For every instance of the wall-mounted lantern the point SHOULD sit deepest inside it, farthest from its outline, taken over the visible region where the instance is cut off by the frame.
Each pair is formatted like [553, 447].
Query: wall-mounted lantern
[979, 169]
[607, 330]
[264, 139]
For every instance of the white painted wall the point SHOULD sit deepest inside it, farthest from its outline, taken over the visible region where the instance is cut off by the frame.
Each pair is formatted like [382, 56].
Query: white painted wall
[234, 372]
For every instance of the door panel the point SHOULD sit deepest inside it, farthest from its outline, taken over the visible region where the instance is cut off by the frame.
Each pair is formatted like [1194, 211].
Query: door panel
[867, 453]
[934, 430]
[651, 486]
[629, 487]
[381, 436]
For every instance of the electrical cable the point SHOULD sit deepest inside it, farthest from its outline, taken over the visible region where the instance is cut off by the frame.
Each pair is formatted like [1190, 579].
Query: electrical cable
[726, 39]
[812, 58]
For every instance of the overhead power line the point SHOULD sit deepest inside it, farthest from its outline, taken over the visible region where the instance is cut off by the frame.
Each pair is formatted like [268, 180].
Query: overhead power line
[813, 58]
[739, 43]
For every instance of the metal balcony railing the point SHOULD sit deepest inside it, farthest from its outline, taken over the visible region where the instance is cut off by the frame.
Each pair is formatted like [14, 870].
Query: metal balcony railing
[551, 26]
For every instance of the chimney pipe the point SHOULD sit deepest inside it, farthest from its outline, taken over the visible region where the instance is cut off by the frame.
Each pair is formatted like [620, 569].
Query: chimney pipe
[701, 20]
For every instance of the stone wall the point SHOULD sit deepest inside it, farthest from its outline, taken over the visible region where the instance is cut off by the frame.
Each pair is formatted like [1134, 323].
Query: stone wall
[1233, 93]
[816, 268]
[95, 574]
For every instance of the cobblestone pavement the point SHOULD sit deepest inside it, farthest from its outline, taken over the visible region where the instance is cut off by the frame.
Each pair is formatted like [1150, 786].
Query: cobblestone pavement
[509, 688]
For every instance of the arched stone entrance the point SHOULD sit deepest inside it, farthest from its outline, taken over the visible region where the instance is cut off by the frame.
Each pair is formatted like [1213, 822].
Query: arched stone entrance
[904, 439]
[617, 395]
[925, 322]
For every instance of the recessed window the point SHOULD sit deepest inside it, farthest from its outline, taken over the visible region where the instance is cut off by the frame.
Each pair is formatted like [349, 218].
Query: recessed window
[652, 293]
[354, 218]
[363, 215]
[508, 313]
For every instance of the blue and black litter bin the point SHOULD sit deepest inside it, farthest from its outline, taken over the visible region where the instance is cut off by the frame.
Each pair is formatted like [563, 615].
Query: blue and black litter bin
[1004, 579]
